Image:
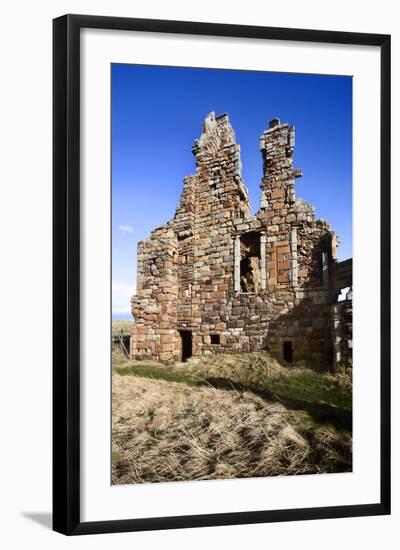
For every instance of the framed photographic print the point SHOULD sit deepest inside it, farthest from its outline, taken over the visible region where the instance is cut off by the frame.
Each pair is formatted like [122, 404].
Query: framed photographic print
[221, 274]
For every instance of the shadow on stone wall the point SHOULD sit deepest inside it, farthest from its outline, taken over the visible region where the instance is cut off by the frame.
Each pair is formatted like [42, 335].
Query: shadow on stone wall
[302, 335]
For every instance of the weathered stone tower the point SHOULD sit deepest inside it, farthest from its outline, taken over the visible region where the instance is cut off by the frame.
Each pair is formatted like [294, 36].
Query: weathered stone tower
[216, 278]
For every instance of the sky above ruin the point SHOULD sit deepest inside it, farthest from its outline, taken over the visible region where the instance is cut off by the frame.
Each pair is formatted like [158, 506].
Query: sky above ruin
[157, 113]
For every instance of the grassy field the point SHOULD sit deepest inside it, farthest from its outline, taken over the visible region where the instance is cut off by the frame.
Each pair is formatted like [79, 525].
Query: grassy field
[227, 416]
[124, 326]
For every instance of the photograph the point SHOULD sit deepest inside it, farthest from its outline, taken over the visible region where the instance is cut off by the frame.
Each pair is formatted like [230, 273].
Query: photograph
[231, 274]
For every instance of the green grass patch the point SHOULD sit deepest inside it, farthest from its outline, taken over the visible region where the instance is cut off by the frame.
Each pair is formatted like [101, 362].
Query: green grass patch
[256, 372]
[311, 387]
[115, 457]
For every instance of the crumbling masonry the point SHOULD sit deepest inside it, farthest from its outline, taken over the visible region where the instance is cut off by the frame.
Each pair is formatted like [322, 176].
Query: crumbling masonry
[217, 278]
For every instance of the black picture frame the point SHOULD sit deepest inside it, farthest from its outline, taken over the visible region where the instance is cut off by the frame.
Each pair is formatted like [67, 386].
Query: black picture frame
[66, 273]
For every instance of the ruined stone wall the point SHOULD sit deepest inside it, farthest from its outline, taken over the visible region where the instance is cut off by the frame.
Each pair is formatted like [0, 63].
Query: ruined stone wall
[296, 241]
[154, 307]
[237, 281]
[342, 332]
[346, 322]
[221, 197]
[183, 225]
[304, 321]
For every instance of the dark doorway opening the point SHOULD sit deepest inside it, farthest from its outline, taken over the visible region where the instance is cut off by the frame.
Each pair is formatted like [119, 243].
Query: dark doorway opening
[126, 344]
[215, 339]
[329, 356]
[122, 342]
[288, 352]
[186, 340]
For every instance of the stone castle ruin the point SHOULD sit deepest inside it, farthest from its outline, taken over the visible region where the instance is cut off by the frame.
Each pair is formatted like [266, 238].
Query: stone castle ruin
[218, 279]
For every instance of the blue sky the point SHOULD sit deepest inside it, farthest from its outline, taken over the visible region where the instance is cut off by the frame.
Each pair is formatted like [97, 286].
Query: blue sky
[157, 113]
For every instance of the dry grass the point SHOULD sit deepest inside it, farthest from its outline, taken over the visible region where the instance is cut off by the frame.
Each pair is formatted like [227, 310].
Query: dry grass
[122, 326]
[258, 372]
[169, 431]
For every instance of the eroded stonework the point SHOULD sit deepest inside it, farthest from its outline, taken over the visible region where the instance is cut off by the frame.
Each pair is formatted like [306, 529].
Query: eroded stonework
[217, 278]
